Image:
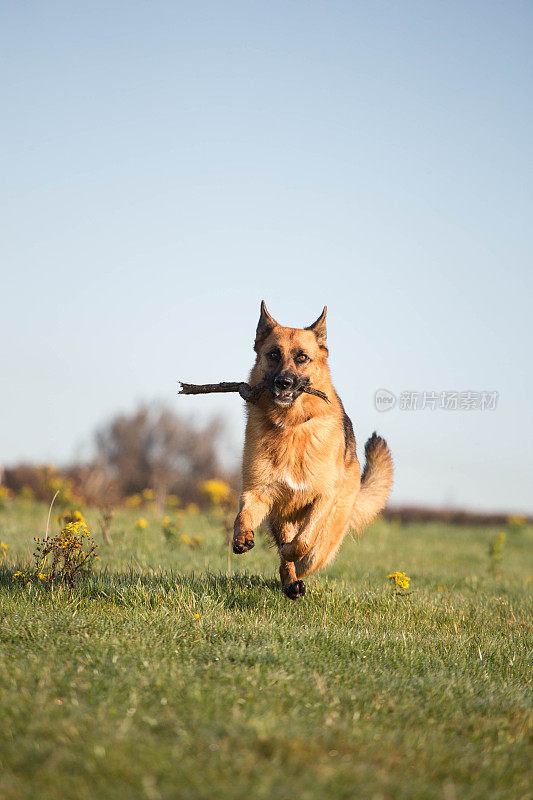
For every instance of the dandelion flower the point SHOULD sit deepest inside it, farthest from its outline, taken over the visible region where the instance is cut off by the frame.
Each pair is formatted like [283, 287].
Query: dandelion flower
[141, 523]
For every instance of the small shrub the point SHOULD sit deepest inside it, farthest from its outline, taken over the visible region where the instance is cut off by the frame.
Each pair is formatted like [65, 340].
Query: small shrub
[62, 557]
[400, 581]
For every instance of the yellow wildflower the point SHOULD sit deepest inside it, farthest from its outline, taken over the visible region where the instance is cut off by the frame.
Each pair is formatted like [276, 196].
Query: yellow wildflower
[400, 579]
[141, 523]
[216, 490]
[4, 546]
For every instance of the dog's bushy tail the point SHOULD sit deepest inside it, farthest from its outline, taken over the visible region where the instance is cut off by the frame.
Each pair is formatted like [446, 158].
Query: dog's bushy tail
[376, 482]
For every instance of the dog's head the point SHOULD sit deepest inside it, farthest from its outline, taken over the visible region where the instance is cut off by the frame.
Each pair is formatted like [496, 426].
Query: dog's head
[289, 359]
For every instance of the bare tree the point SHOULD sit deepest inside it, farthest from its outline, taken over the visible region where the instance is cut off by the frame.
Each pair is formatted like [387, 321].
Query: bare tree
[154, 447]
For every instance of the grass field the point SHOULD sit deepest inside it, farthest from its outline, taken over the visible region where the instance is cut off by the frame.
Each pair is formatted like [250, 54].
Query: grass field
[181, 673]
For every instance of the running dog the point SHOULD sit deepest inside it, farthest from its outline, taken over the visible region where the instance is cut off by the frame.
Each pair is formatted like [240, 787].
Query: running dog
[300, 470]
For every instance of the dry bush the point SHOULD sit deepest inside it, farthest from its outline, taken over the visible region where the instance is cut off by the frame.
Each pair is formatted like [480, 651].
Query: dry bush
[154, 447]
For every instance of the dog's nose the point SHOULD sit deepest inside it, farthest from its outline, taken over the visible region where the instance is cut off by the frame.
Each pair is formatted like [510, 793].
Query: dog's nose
[284, 382]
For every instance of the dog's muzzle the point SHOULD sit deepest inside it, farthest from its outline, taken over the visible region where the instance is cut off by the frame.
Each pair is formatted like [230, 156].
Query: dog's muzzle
[286, 387]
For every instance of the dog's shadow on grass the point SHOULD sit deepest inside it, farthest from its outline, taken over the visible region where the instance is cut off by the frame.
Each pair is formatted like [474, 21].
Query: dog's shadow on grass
[130, 587]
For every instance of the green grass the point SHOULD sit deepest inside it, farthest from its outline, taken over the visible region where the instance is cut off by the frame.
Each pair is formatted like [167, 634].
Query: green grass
[122, 691]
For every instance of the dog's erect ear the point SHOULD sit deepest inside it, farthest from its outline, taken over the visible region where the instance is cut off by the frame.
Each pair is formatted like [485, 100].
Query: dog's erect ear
[319, 328]
[264, 326]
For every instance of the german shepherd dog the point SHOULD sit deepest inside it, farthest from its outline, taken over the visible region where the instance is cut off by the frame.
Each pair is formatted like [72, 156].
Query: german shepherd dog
[300, 469]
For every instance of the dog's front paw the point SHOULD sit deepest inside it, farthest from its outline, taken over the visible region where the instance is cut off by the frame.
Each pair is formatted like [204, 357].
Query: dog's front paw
[242, 541]
[294, 590]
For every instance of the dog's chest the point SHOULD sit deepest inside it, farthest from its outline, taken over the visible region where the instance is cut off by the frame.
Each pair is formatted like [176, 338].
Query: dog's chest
[296, 464]
[295, 482]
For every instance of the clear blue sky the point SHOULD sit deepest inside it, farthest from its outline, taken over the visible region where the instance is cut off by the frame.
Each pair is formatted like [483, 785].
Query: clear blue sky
[166, 165]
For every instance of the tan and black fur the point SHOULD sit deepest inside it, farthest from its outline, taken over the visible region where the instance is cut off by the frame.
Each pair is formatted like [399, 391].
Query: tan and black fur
[300, 469]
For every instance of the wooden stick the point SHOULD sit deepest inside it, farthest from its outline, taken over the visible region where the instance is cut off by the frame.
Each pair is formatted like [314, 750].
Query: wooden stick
[247, 392]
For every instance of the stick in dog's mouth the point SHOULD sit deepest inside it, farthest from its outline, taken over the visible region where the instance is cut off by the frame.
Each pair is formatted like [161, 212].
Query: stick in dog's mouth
[303, 388]
[247, 392]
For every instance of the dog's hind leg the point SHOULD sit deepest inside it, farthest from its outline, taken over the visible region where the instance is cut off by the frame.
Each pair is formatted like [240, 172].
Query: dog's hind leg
[327, 543]
[322, 552]
[292, 587]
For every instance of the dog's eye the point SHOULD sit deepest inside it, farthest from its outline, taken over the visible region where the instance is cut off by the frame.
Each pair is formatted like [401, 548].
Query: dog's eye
[274, 355]
[301, 358]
